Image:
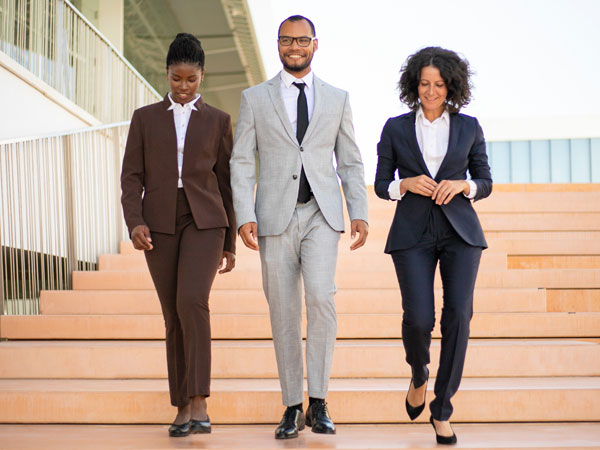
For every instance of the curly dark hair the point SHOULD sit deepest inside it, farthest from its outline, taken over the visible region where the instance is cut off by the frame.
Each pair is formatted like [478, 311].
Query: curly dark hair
[185, 48]
[454, 70]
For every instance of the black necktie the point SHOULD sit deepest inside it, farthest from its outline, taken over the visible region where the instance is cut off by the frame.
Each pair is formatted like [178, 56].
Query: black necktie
[301, 126]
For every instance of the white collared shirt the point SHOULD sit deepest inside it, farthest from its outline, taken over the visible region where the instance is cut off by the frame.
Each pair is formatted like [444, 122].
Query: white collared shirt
[181, 117]
[432, 138]
[289, 94]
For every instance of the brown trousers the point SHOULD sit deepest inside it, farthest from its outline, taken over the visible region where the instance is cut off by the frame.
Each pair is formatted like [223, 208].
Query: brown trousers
[183, 267]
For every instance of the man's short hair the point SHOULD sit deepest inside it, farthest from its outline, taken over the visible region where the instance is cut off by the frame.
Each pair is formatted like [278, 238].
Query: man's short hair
[298, 18]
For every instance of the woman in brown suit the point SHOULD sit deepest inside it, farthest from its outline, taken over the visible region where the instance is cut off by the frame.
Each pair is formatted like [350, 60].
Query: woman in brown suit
[178, 209]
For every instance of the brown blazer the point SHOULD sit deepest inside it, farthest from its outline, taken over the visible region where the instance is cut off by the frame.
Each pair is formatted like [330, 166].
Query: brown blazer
[150, 174]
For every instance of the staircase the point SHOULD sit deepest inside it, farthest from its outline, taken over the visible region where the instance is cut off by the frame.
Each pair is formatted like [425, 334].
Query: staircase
[96, 356]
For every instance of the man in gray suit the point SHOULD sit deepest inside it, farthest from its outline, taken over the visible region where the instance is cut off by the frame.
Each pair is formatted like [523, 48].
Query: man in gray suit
[296, 124]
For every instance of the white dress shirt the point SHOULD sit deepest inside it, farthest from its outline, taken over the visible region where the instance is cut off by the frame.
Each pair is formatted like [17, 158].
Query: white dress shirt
[181, 116]
[432, 138]
[289, 94]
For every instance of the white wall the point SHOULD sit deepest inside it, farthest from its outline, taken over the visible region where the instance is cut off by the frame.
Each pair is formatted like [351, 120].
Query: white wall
[30, 107]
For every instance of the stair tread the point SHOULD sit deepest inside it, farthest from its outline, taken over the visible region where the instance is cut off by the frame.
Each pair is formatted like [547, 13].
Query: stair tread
[349, 437]
[270, 385]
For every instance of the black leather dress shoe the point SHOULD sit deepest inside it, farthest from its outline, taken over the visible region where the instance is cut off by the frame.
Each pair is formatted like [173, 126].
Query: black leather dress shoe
[444, 440]
[317, 417]
[291, 423]
[200, 426]
[180, 430]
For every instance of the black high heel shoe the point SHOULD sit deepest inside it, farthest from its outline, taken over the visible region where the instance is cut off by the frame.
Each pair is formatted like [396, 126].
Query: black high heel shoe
[181, 430]
[200, 426]
[415, 411]
[444, 440]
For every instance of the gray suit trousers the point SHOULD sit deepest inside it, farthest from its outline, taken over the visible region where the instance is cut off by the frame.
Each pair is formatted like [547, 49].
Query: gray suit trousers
[307, 249]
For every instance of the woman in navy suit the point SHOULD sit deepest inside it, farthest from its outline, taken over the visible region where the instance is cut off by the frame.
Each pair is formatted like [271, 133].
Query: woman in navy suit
[432, 148]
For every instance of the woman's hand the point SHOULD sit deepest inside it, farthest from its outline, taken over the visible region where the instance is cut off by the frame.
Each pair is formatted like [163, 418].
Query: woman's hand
[230, 262]
[140, 236]
[447, 189]
[422, 185]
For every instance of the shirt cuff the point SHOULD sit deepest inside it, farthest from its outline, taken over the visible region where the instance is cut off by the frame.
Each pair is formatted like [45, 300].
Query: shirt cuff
[394, 190]
[473, 190]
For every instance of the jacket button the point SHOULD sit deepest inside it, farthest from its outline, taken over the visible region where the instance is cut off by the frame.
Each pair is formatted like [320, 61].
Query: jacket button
[295, 177]
[301, 149]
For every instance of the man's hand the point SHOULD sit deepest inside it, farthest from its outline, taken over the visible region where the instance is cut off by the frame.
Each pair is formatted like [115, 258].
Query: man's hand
[362, 228]
[447, 189]
[229, 262]
[140, 236]
[249, 234]
[422, 185]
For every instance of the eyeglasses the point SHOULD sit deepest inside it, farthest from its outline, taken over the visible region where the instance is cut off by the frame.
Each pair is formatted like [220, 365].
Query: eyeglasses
[303, 41]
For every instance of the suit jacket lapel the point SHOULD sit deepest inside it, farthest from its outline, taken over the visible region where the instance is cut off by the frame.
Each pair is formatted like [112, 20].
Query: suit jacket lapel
[171, 135]
[194, 132]
[413, 144]
[317, 108]
[274, 89]
[452, 142]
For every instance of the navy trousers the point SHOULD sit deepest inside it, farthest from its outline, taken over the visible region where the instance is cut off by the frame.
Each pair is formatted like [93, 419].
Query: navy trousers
[415, 269]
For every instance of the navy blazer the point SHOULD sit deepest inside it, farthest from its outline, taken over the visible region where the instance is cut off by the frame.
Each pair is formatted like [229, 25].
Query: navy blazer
[398, 150]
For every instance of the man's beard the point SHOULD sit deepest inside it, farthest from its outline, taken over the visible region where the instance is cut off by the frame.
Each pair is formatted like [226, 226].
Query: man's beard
[298, 68]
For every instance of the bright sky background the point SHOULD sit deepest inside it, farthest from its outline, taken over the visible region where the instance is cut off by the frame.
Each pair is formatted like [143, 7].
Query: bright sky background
[536, 62]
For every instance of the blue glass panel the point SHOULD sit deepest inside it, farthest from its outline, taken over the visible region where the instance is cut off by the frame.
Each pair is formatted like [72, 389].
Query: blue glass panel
[520, 162]
[580, 161]
[540, 161]
[560, 161]
[501, 162]
[595, 159]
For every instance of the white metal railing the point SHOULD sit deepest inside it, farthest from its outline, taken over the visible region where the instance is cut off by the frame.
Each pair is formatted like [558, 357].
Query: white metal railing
[55, 42]
[59, 210]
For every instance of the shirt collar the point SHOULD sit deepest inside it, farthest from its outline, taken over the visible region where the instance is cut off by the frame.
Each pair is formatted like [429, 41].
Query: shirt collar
[179, 107]
[287, 79]
[445, 117]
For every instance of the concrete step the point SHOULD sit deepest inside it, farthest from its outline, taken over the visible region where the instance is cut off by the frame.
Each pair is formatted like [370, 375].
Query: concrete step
[365, 279]
[572, 300]
[554, 262]
[256, 359]
[535, 245]
[370, 400]
[252, 301]
[511, 242]
[257, 326]
[536, 235]
[380, 261]
[474, 436]
[246, 261]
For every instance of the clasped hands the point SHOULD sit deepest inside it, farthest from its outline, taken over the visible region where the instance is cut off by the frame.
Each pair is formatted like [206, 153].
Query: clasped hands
[140, 236]
[441, 193]
[249, 234]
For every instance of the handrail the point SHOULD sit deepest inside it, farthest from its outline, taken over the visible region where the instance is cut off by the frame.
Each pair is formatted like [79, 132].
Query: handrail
[114, 49]
[52, 40]
[59, 210]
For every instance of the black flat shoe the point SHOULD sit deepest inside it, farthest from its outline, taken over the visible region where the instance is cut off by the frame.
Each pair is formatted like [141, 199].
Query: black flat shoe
[444, 440]
[292, 422]
[414, 411]
[200, 426]
[317, 417]
[180, 430]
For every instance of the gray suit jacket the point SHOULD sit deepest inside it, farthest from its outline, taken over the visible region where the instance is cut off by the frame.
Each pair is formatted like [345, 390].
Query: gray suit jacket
[264, 129]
